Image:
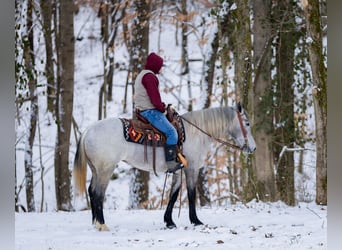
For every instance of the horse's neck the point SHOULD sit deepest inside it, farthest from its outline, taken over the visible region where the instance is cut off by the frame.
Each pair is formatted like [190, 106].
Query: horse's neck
[214, 121]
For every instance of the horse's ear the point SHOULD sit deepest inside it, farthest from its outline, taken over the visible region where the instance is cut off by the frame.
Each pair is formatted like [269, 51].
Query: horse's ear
[239, 107]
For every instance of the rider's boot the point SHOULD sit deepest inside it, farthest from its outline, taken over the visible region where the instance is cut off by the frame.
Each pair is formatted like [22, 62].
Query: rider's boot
[171, 160]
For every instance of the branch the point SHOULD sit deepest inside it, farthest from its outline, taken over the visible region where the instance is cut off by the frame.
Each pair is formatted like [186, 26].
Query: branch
[285, 148]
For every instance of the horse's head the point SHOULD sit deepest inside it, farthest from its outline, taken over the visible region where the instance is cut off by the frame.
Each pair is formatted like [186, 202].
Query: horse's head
[241, 131]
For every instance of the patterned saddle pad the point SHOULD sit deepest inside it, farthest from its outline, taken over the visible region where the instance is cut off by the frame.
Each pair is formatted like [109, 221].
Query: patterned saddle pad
[137, 131]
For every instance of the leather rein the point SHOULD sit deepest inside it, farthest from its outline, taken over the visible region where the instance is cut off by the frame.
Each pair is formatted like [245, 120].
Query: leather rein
[244, 132]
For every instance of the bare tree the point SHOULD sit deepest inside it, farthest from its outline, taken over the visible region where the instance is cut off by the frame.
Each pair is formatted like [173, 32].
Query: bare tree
[184, 18]
[110, 20]
[240, 43]
[32, 83]
[47, 12]
[210, 70]
[262, 182]
[139, 188]
[64, 104]
[319, 77]
[216, 46]
[284, 130]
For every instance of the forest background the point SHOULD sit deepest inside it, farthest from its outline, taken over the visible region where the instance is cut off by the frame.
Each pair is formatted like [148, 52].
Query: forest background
[271, 56]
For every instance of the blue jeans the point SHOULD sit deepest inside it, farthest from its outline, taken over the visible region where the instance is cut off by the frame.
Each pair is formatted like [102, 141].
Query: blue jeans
[159, 120]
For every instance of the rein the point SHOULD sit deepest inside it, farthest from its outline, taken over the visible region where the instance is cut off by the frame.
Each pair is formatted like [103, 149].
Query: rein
[180, 195]
[217, 139]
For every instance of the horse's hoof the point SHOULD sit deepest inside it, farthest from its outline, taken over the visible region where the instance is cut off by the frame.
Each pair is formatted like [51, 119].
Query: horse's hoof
[198, 223]
[101, 227]
[171, 226]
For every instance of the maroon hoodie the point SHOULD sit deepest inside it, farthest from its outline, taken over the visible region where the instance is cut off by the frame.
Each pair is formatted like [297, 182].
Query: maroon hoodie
[151, 82]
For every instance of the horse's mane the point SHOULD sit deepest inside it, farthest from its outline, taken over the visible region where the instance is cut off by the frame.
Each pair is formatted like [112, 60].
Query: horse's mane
[214, 121]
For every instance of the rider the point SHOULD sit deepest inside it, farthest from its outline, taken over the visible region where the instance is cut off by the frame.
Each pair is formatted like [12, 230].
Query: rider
[148, 102]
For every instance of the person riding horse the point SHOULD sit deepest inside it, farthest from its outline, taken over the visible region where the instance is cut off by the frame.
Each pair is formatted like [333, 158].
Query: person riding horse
[149, 105]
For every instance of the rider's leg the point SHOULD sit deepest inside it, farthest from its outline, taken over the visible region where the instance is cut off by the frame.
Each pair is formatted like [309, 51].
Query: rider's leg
[159, 120]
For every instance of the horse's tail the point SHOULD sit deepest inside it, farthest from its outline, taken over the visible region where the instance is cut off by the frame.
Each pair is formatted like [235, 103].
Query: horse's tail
[80, 168]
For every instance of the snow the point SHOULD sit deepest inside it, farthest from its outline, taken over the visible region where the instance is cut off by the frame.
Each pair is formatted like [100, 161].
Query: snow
[251, 226]
[258, 226]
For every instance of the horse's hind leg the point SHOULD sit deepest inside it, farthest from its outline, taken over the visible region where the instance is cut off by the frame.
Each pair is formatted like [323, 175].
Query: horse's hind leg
[175, 187]
[96, 194]
[91, 196]
[97, 189]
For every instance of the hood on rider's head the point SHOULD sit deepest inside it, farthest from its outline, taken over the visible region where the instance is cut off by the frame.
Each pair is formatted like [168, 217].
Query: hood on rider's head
[154, 62]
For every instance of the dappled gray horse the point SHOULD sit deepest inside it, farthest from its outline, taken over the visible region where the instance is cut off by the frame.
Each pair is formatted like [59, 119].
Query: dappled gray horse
[103, 146]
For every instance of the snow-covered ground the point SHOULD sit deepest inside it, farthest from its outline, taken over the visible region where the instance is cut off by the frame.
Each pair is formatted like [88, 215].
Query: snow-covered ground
[255, 226]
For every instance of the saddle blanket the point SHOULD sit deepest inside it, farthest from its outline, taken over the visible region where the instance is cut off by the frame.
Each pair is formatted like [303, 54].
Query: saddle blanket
[132, 133]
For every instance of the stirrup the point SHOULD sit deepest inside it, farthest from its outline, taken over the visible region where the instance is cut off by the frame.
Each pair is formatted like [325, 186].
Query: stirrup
[182, 159]
[173, 170]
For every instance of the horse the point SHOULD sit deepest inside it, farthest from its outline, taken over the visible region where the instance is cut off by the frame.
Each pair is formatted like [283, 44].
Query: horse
[102, 146]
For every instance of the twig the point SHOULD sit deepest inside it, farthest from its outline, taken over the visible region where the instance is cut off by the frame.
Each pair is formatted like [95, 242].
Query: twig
[313, 212]
[41, 162]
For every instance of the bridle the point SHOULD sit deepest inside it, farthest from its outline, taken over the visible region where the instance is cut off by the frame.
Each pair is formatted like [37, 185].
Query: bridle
[243, 129]
[244, 133]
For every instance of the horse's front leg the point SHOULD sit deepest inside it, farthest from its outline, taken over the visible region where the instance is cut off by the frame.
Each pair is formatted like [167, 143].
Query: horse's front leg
[191, 180]
[175, 187]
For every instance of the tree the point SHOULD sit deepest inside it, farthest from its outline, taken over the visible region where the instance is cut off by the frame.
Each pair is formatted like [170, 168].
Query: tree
[239, 32]
[110, 20]
[319, 77]
[216, 48]
[210, 70]
[32, 85]
[284, 128]
[64, 104]
[263, 180]
[184, 19]
[139, 187]
[47, 11]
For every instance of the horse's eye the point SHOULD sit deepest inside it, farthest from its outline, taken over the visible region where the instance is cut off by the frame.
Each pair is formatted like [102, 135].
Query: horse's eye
[247, 123]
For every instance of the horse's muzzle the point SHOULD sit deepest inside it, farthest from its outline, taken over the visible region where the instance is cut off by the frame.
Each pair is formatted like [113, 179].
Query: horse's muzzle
[247, 150]
[251, 151]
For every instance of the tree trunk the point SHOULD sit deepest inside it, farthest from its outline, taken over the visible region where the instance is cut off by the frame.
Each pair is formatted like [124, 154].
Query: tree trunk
[185, 56]
[29, 65]
[262, 180]
[184, 22]
[319, 77]
[64, 106]
[114, 22]
[46, 9]
[139, 188]
[284, 100]
[241, 45]
[103, 14]
[210, 70]
[202, 185]
[202, 182]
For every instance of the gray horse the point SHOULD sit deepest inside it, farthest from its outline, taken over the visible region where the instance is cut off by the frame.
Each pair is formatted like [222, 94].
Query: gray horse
[103, 145]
